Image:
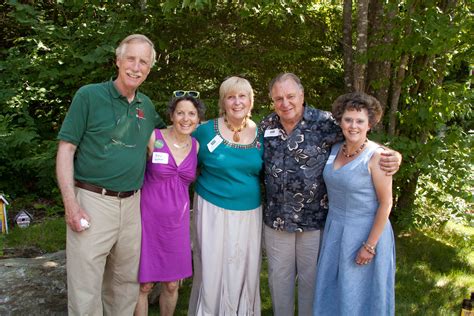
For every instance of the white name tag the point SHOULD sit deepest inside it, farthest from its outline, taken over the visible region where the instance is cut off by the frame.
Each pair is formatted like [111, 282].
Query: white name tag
[216, 141]
[330, 159]
[161, 158]
[272, 132]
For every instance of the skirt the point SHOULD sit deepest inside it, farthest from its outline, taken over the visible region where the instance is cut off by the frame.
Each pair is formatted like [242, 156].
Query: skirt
[226, 259]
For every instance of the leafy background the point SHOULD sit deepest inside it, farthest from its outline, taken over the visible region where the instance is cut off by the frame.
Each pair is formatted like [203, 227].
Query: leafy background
[419, 52]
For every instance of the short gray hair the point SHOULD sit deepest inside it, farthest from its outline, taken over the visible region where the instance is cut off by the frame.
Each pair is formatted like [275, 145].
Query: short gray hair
[283, 77]
[136, 38]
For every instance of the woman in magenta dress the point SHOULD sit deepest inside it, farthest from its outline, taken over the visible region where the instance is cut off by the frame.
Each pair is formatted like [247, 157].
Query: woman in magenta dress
[171, 168]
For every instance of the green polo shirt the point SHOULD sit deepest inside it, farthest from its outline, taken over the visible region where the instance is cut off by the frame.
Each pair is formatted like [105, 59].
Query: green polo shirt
[111, 136]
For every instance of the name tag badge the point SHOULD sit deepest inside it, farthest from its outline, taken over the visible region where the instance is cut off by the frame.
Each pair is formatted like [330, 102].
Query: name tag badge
[161, 158]
[330, 159]
[216, 141]
[272, 132]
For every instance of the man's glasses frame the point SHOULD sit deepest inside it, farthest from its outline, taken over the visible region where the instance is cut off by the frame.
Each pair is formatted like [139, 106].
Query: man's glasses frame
[183, 93]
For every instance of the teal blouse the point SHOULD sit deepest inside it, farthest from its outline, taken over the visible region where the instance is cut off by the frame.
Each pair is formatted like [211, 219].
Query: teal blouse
[229, 174]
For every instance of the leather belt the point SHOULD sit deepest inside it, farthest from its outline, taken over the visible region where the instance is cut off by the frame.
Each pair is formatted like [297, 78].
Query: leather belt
[96, 189]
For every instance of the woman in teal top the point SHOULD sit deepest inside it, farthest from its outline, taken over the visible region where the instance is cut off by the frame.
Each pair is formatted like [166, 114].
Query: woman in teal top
[229, 172]
[227, 208]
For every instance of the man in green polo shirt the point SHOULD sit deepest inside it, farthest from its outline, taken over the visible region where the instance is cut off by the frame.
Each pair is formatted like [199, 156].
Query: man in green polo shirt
[100, 167]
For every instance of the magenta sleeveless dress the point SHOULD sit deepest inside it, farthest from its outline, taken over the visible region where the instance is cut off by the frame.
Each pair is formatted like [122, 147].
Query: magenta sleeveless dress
[166, 245]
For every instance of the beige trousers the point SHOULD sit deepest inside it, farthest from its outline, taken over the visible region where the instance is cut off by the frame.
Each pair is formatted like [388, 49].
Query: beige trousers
[102, 261]
[292, 257]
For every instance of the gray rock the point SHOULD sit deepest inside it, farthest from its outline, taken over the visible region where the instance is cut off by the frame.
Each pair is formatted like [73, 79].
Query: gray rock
[34, 286]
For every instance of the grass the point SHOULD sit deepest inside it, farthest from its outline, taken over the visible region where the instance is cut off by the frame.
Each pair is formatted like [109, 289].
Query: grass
[47, 236]
[435, 269]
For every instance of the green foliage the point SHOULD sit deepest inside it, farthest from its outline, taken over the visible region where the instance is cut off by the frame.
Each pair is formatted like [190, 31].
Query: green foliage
[50, 49]
[434, 112]
[26, 161]
[36, 87]
[57, 47]
[438, 147]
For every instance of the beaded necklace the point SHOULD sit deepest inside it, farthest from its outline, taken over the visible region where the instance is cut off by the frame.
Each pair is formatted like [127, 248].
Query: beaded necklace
[236, 131]
[358, 150]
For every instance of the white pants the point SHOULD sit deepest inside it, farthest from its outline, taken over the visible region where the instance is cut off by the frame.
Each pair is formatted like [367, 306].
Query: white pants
[226, 257]
[291, 256]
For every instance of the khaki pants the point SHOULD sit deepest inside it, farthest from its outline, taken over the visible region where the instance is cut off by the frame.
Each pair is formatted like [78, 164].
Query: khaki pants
[102, 262]
[291, 257]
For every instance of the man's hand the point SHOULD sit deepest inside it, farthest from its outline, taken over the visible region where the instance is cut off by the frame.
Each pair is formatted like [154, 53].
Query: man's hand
[390, 161]
[74, 214]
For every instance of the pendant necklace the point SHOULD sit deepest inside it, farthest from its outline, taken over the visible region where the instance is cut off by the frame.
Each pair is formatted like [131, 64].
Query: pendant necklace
[180, 146]
[236, 131]
[344, 149]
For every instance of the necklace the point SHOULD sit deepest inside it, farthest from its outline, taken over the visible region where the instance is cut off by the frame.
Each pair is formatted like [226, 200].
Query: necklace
[344, 149]
[180, 146]
[177, 145]
[236, 131]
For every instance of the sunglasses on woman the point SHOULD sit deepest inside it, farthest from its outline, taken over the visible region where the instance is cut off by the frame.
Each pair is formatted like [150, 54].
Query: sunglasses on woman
[183, 93]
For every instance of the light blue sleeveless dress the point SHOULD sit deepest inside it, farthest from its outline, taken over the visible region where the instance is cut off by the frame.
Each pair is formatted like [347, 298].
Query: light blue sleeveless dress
[342, 286]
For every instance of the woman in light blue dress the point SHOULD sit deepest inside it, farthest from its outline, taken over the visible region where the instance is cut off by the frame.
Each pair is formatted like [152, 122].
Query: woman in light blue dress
[356, 268]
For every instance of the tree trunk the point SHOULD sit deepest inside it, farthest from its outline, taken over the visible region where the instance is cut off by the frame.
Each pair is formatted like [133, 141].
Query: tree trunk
[360, 64]
[396, 91]
[398, 78]
[347, 45]
[420, 64]
[406, 198]
[380, 34]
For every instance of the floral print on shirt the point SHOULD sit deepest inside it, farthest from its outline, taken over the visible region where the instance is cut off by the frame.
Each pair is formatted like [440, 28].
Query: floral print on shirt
[295, 193]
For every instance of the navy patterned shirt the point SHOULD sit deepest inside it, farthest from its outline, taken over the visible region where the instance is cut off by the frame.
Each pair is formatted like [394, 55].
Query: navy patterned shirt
[296, 198]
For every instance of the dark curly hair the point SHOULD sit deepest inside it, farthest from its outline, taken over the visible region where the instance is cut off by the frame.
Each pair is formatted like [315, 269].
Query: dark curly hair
[198, 104]
[357, 101]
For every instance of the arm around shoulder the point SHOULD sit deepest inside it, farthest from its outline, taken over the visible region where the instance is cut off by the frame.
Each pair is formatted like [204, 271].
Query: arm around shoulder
[390, 161]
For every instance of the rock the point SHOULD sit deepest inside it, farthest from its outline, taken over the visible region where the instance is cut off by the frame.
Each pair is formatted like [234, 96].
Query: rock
[23, 252]
[34, 286]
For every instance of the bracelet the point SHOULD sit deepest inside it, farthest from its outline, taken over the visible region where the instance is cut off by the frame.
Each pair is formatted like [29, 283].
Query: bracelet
[369, 248]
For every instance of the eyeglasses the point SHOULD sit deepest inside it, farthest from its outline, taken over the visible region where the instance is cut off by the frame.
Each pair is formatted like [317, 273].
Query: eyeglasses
[182, 93]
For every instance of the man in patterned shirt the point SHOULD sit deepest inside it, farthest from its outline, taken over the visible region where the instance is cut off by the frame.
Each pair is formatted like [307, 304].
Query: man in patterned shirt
[297, 143]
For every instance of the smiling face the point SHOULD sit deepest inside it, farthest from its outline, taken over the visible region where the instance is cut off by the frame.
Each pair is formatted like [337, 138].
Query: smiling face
[134, 65]
[185, 117]
[288, 99]
[237, 105]
[355, 125]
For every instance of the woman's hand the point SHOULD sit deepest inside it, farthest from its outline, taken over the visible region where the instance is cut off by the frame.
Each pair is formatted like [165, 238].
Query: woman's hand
[363, 256]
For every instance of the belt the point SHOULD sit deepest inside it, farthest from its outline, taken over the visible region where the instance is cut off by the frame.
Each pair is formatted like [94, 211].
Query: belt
[96, 189]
